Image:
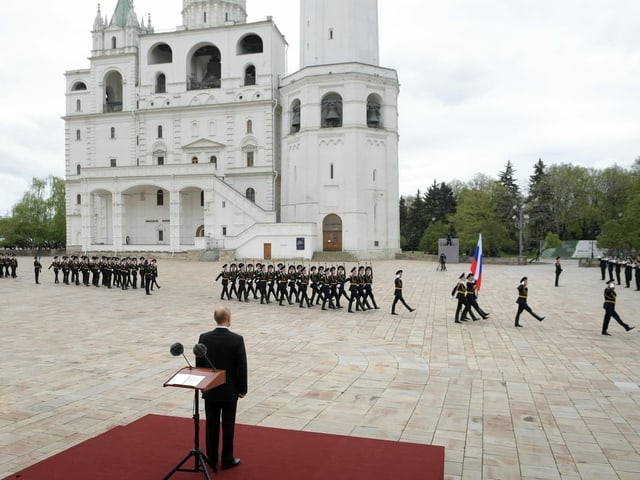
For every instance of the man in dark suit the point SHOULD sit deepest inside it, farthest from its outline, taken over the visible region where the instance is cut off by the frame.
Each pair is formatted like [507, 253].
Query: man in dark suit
[225, 351]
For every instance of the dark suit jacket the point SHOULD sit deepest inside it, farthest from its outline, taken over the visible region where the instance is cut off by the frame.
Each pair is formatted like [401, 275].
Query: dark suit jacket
[226, 351]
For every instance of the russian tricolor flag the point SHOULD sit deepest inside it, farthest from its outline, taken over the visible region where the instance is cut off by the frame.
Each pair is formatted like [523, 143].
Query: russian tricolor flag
[476, 263]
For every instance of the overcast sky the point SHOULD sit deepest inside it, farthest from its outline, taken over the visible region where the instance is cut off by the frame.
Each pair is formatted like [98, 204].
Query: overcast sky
[482, 82]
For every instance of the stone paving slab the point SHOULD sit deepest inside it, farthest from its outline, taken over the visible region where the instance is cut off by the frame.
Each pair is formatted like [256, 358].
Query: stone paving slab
[552, 400]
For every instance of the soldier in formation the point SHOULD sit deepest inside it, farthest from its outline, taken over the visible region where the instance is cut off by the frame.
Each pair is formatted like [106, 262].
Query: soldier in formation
[296, 285]
[108, 272]
[8, 265]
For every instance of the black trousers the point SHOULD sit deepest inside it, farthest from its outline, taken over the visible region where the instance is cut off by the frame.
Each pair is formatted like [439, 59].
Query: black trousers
[610, 311]
[220, 413]
[524, 306]
[399, 298]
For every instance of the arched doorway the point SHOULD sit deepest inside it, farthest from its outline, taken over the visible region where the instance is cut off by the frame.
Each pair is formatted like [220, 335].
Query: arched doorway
[332, 233]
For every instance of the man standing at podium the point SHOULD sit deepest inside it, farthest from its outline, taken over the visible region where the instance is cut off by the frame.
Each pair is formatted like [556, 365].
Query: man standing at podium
[225, 351]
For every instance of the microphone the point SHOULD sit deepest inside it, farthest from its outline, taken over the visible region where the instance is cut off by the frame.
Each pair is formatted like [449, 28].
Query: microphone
[177, 349]
[200, 350]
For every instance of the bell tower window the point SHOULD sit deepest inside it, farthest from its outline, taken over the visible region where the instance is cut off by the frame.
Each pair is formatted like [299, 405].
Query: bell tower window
[161, 83]
[331, 111]
[374, 116]
[295, 116]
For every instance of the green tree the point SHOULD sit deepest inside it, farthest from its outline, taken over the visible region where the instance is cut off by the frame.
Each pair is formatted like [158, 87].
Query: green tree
[476, 214]
[57, 206]
[439, 203]
[539, 201]
[507, 178]
[417, 221]
[431, 235]
[569, 199]
[38, 219]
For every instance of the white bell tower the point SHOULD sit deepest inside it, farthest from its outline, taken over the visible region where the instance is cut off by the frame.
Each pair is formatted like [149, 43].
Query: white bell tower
[338, 31]
[339, 164]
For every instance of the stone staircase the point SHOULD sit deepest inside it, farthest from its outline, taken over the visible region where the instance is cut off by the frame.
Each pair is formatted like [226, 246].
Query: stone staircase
[334, 257]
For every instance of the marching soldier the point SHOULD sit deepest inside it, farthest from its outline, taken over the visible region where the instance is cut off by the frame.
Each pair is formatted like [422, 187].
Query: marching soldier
[397, 294]
[354, 295]
[14, 265]
[281, 294]
[472, 298]
[523, 292]
[314, 280]
[326, 289]
[251, 283]
[368, 286]
[303, 283]
[271, 280]
[65, 270]
[94, 267]
[85, 269]
[224, 275]
[134, 273]
[460, 292]
[610, 309]
[242, 282]
[37, 268]
[233, 278]
[292, 277]
[342, 279]
[56, 268]
[74, 266]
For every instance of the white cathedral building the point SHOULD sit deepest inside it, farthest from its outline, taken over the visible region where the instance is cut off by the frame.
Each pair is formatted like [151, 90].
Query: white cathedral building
[199, 139]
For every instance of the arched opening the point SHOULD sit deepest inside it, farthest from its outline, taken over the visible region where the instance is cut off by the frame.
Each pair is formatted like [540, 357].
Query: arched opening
[113, 42]
[295, 116]
[250, 75]
[374, 114]
[200, 231]
[78, 86]
[331, 111]
[213, 159]
[251, 194]
[159, 131]
[161, 83]
[161, 53]
[332, 233]
[159, 198]
[113, 93]
[251, 43]
[205, 68]
[249, 126]
[194, 160]
[78, 106]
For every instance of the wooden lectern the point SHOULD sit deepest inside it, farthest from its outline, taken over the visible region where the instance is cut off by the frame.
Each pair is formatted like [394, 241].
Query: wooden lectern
[199, 380]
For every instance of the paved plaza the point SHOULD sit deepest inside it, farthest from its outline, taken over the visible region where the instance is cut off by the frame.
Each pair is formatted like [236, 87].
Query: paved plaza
[552, 400]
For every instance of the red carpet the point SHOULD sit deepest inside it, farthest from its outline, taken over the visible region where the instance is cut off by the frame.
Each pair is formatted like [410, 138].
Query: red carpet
[150, 447]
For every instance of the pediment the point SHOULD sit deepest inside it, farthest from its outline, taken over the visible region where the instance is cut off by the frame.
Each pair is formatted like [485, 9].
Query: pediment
[202, 144]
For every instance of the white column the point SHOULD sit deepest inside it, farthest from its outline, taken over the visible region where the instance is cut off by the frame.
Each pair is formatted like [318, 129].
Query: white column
[174, 222]
[117, 210]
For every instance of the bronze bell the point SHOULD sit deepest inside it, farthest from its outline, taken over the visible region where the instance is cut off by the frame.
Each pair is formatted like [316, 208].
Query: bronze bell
[332, 112]
[373, 115]
[295, 117]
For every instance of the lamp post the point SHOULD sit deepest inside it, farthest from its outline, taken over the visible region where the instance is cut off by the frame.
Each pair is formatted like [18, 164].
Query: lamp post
[520, 220]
